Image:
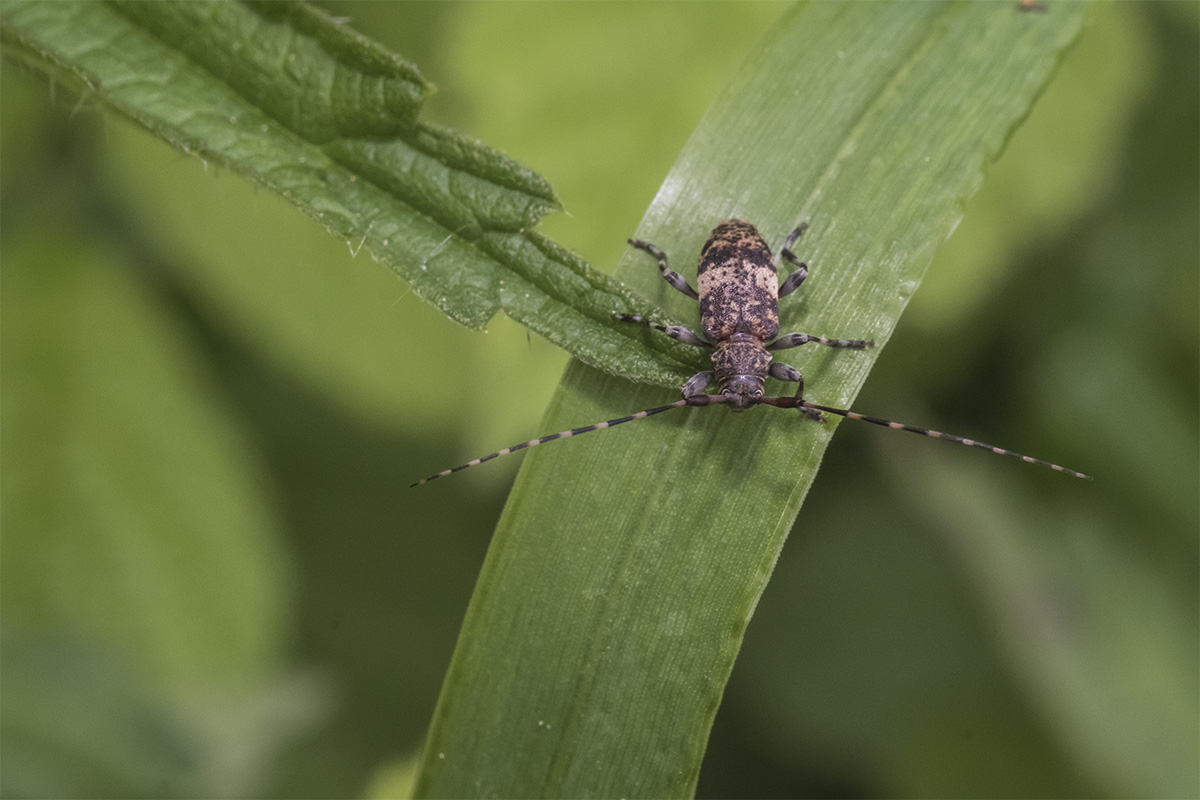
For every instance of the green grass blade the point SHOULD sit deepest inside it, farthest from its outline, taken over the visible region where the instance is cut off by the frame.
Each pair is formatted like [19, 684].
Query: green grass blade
[627, 565]
[292, 99]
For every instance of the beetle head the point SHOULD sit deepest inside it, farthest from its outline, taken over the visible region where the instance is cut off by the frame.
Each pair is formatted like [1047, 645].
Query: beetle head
[743, 391]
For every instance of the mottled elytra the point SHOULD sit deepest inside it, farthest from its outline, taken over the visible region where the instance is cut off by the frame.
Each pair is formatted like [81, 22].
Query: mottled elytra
[739, 318]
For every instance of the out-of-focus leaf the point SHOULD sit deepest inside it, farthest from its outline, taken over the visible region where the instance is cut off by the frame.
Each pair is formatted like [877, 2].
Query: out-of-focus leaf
[1109, 655]
[74, 724]
[77, 721]
[131, 512]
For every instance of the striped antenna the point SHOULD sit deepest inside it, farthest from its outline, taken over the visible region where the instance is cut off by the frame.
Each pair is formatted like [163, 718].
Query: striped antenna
[700, 400]
[791, 402]
[562, 435]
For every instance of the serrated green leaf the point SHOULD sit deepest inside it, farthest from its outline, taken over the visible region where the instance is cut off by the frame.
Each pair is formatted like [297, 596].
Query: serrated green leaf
[289, 97]
[627, 565]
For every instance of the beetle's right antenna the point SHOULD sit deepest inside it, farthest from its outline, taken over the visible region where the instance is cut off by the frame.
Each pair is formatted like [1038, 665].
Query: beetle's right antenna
[792, 402]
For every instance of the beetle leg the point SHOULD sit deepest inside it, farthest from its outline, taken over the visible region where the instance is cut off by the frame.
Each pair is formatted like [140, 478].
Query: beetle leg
[797, 339]
[786, 372]
[674, 278]
[676, 332]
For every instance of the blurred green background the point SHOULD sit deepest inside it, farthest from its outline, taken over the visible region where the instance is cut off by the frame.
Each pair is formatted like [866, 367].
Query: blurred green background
[214, 581]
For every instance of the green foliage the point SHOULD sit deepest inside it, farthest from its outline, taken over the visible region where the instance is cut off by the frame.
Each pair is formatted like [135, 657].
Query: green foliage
[935, 627]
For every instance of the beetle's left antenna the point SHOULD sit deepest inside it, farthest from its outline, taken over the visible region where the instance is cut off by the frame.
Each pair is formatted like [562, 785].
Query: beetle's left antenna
[561, 435]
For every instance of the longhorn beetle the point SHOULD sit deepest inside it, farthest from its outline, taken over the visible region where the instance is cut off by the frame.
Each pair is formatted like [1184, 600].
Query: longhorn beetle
[739, 315]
